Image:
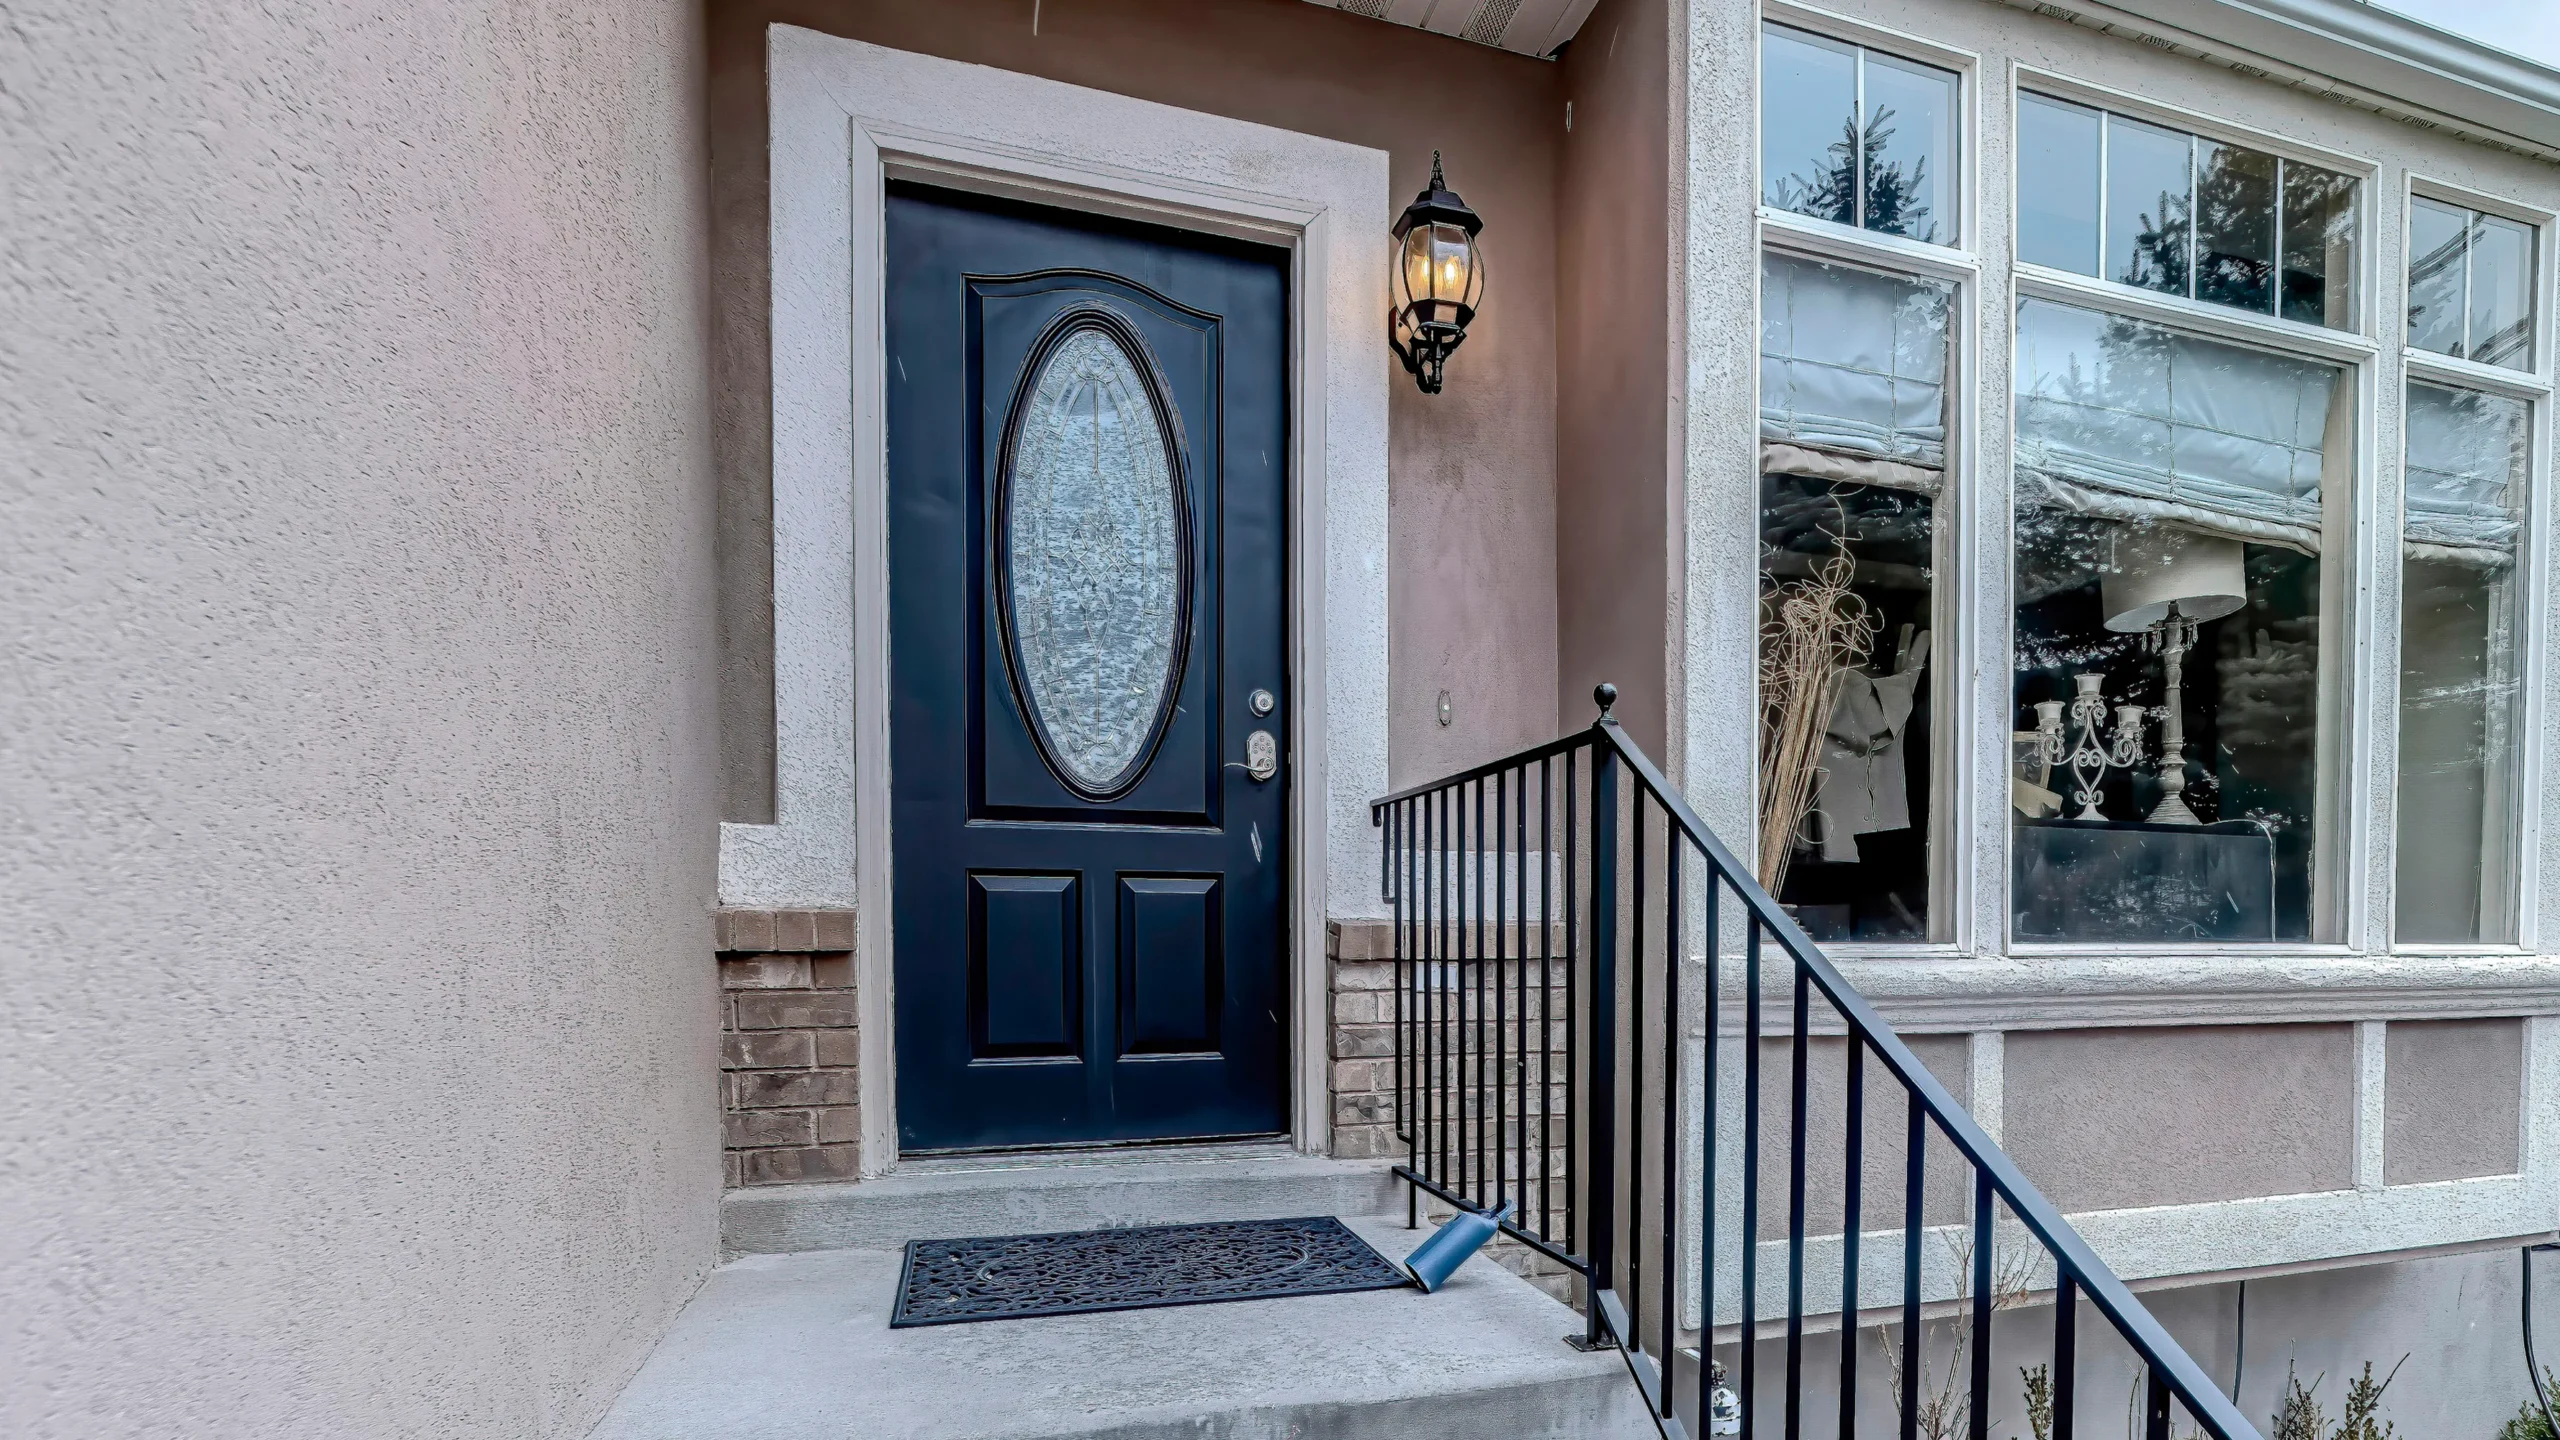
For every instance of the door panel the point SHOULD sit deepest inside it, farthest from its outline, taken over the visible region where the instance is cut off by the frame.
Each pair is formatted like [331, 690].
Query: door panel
[1026, 956]
[1171, 966]
[1087, 497]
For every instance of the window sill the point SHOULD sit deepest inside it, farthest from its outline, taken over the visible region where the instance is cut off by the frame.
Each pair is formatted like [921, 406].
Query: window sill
[2057, 991]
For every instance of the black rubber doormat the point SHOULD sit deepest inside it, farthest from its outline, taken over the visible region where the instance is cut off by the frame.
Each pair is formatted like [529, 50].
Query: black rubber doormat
[1014, 1277]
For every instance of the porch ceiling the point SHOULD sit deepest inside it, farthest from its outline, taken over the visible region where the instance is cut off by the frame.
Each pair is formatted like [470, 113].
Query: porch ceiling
[1527, 27]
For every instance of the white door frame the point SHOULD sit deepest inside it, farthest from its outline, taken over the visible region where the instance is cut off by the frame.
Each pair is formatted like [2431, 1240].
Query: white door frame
[846, 117]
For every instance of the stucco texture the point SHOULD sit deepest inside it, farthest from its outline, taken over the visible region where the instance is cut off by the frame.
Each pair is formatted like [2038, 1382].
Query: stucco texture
[1471, 470]
[358, 764]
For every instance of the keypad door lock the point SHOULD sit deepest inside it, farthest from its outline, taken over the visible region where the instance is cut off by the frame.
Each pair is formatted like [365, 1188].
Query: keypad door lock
[1261, 755]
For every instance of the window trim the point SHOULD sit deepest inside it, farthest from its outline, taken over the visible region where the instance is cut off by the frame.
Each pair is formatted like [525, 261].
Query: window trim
[1954, 887]
[2536, 389]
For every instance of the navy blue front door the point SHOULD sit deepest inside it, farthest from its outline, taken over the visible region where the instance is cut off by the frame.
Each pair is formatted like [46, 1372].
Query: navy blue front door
[1087, 485]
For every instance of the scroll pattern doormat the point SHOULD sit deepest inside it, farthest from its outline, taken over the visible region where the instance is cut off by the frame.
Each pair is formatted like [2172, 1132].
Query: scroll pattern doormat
[1013, 1277]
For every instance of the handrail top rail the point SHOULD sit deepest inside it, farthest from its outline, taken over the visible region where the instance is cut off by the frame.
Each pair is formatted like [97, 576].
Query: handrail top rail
[2042, 1219]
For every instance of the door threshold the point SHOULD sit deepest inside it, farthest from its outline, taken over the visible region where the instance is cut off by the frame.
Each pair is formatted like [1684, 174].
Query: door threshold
[1116, 1152]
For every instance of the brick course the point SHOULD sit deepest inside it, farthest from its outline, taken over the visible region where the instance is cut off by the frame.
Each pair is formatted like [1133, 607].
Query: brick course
[1360, 1050]
[788, 1047]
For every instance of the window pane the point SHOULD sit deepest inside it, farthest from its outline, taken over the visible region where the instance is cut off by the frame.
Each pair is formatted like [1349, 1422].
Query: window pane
[1911, 150]
[1808, 124]
[2157, 470]
[2235, 227]
[1853, 440]
[2057, 185]
[2436, 275]
[2458, 666]
[2501, 292]
[2148, 194]
[2319, 246]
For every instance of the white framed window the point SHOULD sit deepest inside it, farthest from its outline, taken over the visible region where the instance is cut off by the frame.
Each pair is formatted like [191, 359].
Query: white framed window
[2470, 473]
[2187, 376]
[1860, 137]
[2120, 198]
[1866, 303]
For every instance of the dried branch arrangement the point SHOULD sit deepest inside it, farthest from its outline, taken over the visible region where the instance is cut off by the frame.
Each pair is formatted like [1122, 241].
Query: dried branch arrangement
[1812, 632]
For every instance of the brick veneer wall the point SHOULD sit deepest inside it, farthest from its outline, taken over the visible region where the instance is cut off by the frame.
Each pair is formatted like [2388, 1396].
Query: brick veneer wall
[787, 1038]
[1361, 1025]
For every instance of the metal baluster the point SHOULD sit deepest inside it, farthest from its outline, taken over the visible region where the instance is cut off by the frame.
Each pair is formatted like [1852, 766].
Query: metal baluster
[2155, 1420]
[1797, 1058]
[2066, 1353]
[1979, 1417]
[1520, 984]
[1501, 1015]
[1546, 997]
[1574, 1199]
[1707, 1127]
[1604, 1030]
[1476, 1191]
[1852, 1211]
[1635, 1292]
[1465, 990]
[1671, 948]
[1915, 1176]
[1440, 995]
[1401, 818]
[1750, 1331]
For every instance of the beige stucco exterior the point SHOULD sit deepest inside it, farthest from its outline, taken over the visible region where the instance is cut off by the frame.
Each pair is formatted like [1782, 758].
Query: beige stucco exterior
[386, 599]
[356, 590]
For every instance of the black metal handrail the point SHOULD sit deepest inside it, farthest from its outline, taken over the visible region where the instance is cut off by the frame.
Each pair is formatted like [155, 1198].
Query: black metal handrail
[1528, 982]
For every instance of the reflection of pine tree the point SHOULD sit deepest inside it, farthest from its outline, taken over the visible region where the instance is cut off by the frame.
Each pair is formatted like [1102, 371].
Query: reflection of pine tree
[2159, 258]
[1893, 206]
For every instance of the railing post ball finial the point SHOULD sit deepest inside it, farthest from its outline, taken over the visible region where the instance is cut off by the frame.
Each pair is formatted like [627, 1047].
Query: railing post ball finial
[1604, 695]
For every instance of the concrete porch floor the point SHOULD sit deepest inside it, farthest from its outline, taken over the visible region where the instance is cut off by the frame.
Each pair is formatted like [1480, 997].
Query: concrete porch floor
[796, 1346]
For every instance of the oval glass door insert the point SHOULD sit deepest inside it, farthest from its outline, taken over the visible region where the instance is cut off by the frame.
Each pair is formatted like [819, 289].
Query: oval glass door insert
[1095, 557]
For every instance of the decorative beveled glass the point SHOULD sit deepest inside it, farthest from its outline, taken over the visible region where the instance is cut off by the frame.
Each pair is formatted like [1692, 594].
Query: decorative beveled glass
[1095, 554]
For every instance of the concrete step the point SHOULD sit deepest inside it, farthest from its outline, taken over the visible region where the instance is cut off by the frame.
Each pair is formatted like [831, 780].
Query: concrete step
[1022, 1195]
[797, 1347]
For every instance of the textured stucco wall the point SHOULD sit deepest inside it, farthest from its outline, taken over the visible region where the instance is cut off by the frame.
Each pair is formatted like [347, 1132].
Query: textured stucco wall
[2114, 1119]
[1616, 529]
[2453, 1095]
[1472, 470]
[357, 702]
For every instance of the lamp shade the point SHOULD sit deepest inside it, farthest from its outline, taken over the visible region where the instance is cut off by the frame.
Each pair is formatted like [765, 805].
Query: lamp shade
[2153, 567]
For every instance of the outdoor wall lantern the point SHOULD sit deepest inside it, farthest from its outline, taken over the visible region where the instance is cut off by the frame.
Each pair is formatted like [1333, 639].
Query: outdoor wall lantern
[1438, 278]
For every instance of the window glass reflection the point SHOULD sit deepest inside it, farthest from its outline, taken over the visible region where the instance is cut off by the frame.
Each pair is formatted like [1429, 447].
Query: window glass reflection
[2501, 330]
[2470, 284]
[2235, 226]
[2057, 185]
[2459, 691]
[2437, 271]
[2160, 209]
[1890, 167]
[1808, 125]
[2171, 494]
[2319, 230]
[2149, 189]
[1853, 448]
[1910, 132]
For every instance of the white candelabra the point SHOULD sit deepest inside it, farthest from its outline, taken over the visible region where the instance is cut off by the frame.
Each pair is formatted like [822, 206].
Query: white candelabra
[2096, 751]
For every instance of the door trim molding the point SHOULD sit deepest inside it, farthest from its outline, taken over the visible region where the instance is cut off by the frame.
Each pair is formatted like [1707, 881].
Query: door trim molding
[845, 117]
